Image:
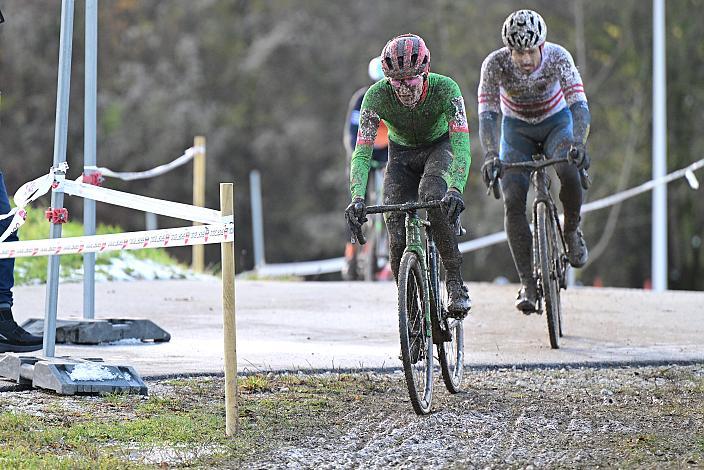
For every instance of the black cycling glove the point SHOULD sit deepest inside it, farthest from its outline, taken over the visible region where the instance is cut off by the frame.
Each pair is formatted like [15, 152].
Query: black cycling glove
[453, 205]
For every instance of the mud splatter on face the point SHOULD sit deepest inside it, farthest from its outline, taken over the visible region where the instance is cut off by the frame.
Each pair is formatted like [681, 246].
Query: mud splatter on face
[409, 92]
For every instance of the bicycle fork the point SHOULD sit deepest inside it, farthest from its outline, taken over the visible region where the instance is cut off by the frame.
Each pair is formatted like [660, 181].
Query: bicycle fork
[541, 183]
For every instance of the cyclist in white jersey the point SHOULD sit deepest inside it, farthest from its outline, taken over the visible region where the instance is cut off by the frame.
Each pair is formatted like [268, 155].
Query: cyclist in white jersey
[536, 87]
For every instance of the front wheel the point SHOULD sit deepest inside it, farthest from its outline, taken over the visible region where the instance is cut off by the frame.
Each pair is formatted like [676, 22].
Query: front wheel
[549, 257]
[414, 332]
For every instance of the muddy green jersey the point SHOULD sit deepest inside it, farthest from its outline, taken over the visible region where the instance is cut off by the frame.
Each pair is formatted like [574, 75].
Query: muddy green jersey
[440, 110]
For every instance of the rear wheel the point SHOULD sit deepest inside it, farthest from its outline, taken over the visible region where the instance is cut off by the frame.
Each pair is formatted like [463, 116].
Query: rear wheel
[450, 338]
[414, 332]
[549, 257]
[451, 356]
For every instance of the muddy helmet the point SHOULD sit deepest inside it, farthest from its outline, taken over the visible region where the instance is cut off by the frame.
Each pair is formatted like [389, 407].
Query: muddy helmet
[524, 29]
[405, 56]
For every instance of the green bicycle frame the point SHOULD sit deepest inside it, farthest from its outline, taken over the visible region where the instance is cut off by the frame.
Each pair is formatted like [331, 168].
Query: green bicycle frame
[415, 244]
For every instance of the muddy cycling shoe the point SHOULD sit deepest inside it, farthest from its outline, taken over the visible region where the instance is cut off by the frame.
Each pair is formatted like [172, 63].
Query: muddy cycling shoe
[459, 303]
[527, 300]
[576, 248]
[14, 338]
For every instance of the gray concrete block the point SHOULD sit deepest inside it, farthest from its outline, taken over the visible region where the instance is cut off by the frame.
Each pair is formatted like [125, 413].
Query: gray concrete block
[66, 378]
[100, 331]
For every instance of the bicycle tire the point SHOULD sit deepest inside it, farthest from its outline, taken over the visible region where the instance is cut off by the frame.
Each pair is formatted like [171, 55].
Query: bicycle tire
[451, 357]
[369, 260]
[450, 353]
[416, 342]
[548, 276]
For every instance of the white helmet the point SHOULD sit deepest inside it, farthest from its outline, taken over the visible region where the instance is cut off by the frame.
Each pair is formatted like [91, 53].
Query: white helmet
[524, 29]
[375, 71]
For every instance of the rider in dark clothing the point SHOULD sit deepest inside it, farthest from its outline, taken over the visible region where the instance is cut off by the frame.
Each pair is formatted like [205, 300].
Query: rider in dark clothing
[12, 337]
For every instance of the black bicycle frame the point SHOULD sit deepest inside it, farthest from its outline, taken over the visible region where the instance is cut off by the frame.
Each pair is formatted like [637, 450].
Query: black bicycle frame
[541, 182]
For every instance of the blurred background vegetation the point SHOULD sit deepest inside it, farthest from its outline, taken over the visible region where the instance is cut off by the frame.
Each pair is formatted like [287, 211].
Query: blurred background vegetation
[268, 82]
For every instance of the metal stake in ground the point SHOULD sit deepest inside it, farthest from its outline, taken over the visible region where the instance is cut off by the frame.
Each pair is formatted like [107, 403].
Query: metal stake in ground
[227, 205]
[60, 140]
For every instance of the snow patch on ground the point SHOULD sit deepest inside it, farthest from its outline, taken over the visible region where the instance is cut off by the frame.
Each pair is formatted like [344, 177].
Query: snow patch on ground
[128, 267]
[90, 371]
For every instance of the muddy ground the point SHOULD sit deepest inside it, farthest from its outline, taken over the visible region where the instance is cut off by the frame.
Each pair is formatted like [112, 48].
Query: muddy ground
[633, 417]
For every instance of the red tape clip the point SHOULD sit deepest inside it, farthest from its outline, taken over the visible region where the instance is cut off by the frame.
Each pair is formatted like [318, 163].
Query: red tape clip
[57, 216]
[96, 179]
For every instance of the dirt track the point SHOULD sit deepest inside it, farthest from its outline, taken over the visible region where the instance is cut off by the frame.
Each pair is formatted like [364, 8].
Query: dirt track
[587, 418]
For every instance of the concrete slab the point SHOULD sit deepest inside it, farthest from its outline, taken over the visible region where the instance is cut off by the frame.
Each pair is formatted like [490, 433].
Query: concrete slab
[100, 331]
[323, 325]
[70, 376]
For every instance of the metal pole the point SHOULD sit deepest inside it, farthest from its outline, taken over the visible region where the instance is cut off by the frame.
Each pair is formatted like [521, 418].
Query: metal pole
[150, 221]
[89, 149]
[659, 228]
[255, 188]
[198, 251]
[227, 206]
[60, 139]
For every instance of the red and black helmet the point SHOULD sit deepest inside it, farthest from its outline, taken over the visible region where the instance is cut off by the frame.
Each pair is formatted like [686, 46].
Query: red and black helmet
[405, 56]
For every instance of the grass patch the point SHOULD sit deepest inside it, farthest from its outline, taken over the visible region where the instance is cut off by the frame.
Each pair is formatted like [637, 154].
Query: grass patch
[255, 383]
[183, 425]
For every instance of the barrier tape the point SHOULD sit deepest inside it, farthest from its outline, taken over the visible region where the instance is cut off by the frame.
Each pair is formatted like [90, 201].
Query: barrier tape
[647, 186]
[183, 236]
[29, 192]
[159, 170]
[143, 203]
[56, 180]
[310, 268]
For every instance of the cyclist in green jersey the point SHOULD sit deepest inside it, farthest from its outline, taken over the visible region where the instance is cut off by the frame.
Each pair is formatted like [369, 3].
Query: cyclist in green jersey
[429, 153]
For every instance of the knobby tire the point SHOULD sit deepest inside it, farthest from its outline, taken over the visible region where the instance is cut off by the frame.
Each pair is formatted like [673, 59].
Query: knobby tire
[548, 255]
[450, 353]
[451, 357]
[413, 328]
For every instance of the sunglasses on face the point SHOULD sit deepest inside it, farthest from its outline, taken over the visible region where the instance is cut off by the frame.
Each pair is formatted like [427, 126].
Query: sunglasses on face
[410, 82]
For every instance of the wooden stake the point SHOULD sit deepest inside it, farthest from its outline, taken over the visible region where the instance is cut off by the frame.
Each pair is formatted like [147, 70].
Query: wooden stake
[227, 205]
[198, 258]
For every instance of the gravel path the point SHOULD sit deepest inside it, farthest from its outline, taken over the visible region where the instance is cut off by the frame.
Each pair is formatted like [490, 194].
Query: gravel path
[633, 417]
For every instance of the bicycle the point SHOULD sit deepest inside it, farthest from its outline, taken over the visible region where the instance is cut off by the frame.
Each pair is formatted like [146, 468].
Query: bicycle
[367, 262]
[422, 312]
[375, 254]
[550, 262]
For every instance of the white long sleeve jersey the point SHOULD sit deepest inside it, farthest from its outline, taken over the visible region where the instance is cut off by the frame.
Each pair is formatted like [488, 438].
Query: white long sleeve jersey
[534, 97]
